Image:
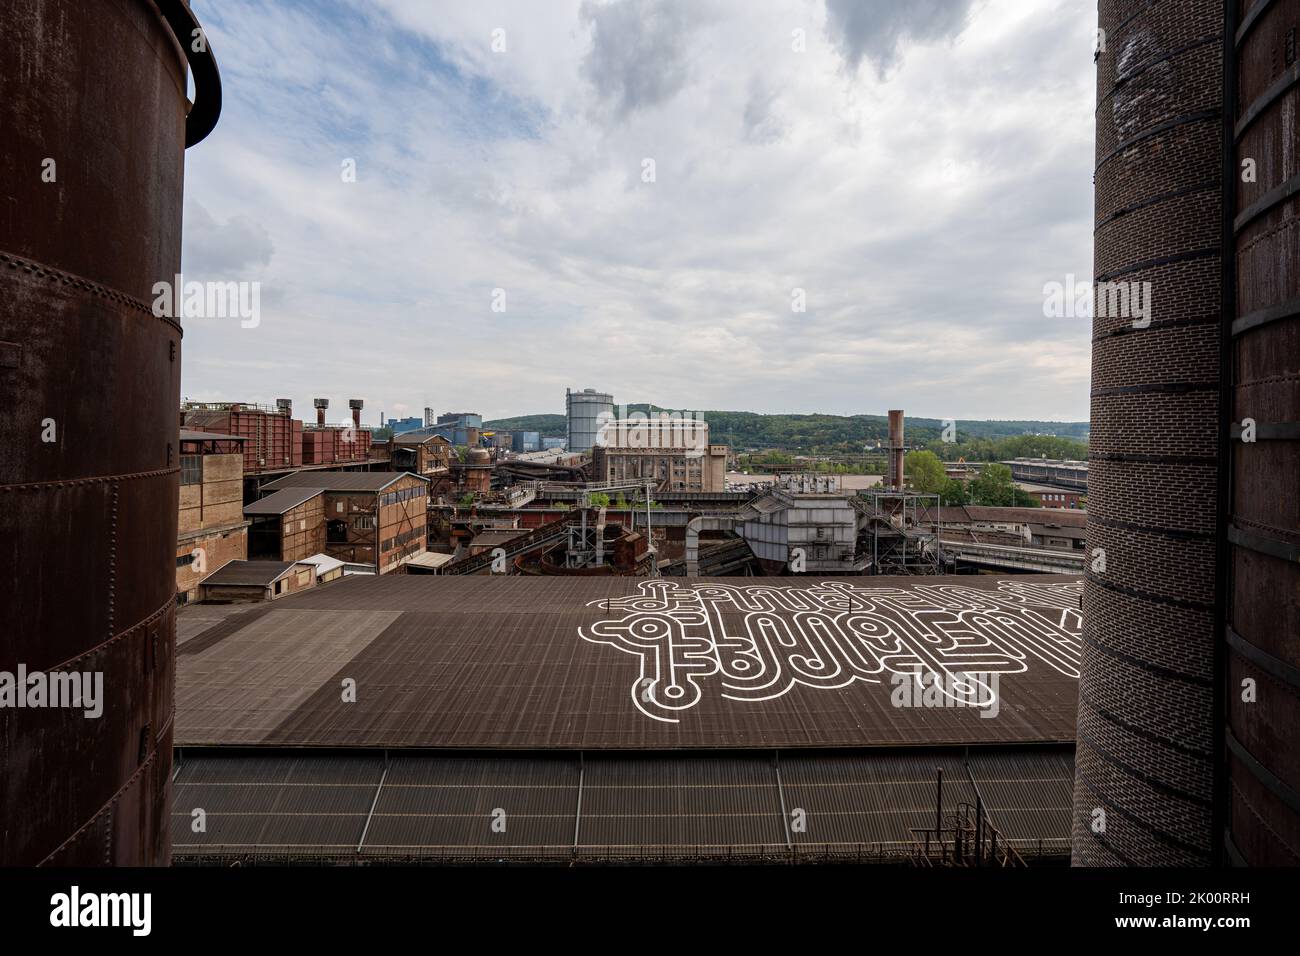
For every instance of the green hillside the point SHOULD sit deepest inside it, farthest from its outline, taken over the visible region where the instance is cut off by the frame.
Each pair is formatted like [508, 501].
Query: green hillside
[841, 435]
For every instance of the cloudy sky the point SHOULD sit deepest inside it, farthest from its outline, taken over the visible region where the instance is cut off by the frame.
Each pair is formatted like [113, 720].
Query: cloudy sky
[919, 168]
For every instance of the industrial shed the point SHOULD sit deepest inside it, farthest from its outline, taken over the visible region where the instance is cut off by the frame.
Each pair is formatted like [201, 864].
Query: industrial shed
[257, 581]
[524, 703]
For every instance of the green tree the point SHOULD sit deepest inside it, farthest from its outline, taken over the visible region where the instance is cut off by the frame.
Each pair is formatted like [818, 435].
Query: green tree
[598, 499]
[995, 487]
[925, 471]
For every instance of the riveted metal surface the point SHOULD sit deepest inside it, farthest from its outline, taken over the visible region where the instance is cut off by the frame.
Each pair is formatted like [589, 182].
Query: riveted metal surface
[1264, 594]
[92, 101]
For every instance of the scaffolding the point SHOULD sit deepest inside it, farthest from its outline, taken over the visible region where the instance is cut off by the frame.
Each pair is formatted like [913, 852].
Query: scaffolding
[902, 538]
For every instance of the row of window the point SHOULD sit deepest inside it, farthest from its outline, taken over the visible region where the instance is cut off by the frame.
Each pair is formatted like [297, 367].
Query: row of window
[406, 494]
[406, 537]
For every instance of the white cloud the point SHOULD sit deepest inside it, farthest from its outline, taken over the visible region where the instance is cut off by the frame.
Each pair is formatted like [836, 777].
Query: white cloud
[922, 212]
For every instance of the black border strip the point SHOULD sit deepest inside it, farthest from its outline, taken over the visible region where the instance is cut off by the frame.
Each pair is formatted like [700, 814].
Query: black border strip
[1276, 785]
[1274, 666]
[1273, 547]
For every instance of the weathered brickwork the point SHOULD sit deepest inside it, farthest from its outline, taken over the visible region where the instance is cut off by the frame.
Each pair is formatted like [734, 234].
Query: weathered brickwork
[1144, 781]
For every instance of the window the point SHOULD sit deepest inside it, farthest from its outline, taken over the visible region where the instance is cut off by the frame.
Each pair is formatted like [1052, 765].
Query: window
[191, 469]
[363, 523]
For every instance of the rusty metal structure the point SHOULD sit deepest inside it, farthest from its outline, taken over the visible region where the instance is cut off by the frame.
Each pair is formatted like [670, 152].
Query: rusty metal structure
[1260, 790]
[1190, 674]
[896, 450]
[96, 119]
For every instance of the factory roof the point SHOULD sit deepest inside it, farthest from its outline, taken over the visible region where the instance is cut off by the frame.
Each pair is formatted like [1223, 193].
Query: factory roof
[278, 502]
[340, 480]
[981, 514]
[623, 663]
[421, 436]
[248, 573]
[323, 563]
[366, 806]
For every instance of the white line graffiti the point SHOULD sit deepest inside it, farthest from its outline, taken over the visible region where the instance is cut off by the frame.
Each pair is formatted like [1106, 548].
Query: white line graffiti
[762, 640]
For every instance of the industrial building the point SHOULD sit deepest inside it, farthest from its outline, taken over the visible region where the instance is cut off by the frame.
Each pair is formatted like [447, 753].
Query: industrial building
[286, 525]
[610, 720]
[1200, 526]
[373, 518]
[211, 528]
[586, 412]
[673, 453]
[1070, 476]
[422, 451]
[254, 581]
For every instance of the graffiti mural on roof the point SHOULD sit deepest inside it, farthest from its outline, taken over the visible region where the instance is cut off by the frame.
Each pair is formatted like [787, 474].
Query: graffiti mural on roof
[760, 641]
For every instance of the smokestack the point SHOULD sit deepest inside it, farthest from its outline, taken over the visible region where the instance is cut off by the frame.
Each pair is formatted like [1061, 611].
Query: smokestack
[896, 449]
[1146, 722]
[285, 405]
[321, 404]
[428, 416]
[79, 787]
[356, 405]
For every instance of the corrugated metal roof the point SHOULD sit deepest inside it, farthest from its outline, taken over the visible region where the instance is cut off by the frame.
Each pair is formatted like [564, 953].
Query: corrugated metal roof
[340, 480]
[278, 502]
[435, 806]
[323, 563]
[251, 573]
[621, 663]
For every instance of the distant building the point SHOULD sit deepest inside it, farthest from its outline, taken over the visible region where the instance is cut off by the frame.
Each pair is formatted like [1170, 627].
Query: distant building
[552, 444]
[586, 412]
[286, 525]
[462, 419]
[212, 529]
[673, 453]
[422, 451]
[372, 518]
[257, 580]
[399, 425]
[529, 441]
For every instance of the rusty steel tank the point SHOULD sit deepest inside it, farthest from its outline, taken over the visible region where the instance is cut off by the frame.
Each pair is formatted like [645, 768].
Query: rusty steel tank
[94, 106]
[1262, 613]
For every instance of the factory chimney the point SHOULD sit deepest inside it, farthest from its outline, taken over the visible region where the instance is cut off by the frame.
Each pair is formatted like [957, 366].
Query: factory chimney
[321, 404]
[356, 405]
[896, 449]
[85, 82]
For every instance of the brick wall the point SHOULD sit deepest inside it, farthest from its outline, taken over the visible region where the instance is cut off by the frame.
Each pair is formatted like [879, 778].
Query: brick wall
[1143, 766]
